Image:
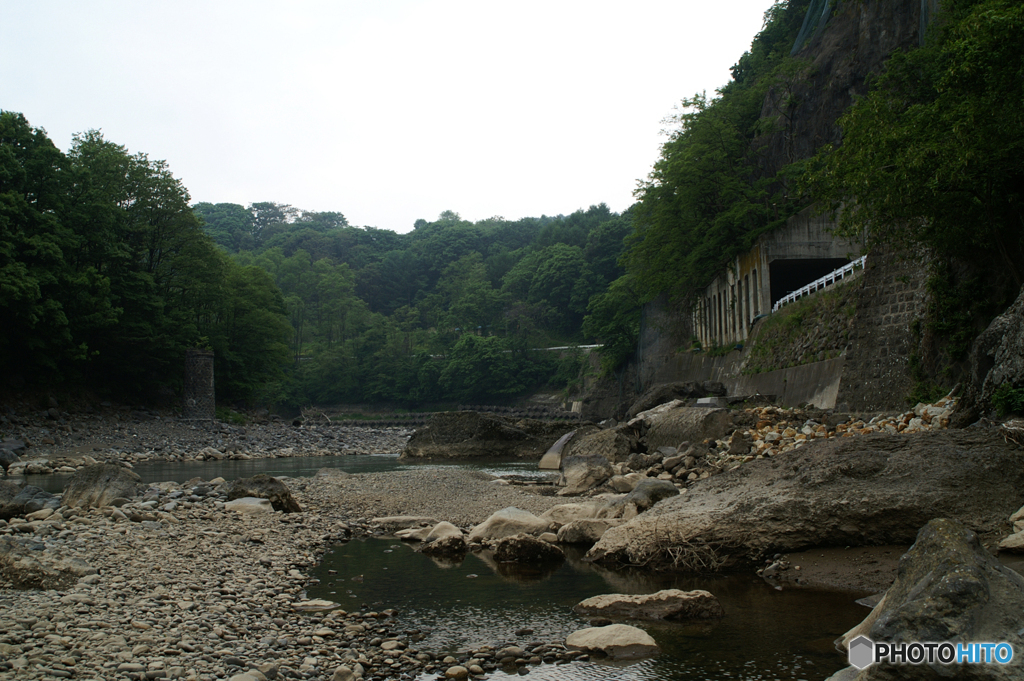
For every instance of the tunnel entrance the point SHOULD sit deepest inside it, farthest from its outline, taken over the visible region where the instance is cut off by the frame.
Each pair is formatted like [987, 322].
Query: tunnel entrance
[787, 276]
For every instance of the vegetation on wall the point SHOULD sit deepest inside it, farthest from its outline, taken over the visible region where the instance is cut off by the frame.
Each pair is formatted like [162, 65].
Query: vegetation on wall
[810, 329]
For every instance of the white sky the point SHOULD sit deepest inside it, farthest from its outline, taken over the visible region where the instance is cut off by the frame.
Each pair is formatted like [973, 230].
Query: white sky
[384, 110]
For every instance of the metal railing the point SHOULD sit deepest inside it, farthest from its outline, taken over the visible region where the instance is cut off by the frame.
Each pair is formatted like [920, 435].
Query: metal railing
[818, 284]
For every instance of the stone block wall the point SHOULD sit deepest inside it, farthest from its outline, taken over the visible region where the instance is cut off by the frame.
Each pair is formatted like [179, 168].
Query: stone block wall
[199, 397]
[876, 374]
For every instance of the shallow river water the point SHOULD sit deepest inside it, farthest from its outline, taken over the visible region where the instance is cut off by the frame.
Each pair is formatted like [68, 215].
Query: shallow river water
[767, 633]
[296, 467]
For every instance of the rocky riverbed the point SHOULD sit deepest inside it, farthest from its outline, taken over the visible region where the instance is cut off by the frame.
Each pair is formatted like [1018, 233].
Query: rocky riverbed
[173, 585]
[57, 440]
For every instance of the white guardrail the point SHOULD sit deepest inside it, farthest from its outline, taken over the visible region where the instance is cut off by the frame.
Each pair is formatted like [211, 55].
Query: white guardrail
[819, 284]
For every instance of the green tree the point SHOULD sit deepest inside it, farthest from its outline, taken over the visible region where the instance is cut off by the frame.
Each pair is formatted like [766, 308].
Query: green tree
[932, 156]
[228, 224]
[250, 339]
[613, 320]
[35, 245]
[138, 231]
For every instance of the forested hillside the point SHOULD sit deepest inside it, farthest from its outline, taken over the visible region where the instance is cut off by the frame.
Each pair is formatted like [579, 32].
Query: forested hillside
[108, 275]
[451, 311]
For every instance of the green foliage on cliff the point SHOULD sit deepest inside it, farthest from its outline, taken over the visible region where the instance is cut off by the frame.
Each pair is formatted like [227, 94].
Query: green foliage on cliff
[706, 200]
[932, 156]
[1008, 400]
[930, 162]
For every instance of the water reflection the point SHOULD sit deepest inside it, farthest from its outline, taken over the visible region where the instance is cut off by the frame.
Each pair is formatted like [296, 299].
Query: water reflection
[766, 633]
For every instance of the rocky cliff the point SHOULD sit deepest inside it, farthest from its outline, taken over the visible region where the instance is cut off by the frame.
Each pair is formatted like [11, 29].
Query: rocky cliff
[837, 59]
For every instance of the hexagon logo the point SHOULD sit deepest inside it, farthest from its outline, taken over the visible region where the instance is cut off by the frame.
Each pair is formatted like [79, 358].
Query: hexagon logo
[862, 652]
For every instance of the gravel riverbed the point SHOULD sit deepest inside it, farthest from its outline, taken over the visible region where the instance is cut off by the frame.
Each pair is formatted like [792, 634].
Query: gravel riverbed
[173, 585]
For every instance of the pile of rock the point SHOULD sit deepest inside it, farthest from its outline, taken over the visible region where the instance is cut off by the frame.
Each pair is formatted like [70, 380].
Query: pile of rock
[682, 444]
[776, 431]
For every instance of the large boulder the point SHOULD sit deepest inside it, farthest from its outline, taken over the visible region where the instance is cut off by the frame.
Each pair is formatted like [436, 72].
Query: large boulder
[523, 548]
[18, 501]
[868, 490]
[665, 392]
[563, 514]
[645, 495]
[997, 358]
[443, 530]
[507, 522]
[668, 604]
[948, 588]
[583, 473]
[617, 641]
[586, 530]
[8, 491]
[470, 434]
[250, 506]
[615, 445]
[9, 453]
[450, 546]
[98, 485]
[672, 426]
[264, 486]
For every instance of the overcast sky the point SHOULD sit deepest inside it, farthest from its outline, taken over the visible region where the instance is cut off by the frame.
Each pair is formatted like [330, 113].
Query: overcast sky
[385, 110]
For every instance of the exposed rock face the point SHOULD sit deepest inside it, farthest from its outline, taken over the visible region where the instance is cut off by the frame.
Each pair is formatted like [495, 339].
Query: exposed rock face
[997, 357]
[508, 522]
[265, 487]
[617, 641]
[526, 549]
[469, 434]
[582, 473]
[97, 486]
[614, 445]
[876, 489]
[663, 605]
[686, 424]
[948, 588]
